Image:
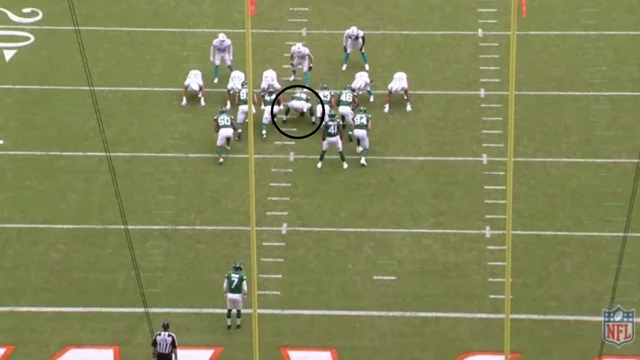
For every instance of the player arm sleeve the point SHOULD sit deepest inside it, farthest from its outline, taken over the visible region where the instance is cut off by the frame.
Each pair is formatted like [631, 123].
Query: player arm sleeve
[344, 41]
[363, 41]
[224, 286]
[245, 289]
[231, 50]
[211, 52]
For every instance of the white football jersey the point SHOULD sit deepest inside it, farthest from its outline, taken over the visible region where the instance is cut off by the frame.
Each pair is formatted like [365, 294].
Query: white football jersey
[300, 54]
[348, 35]
[222, 46]
[269, 77]
[400, 78]
[194, 77]
[237, 77]
[362, 76]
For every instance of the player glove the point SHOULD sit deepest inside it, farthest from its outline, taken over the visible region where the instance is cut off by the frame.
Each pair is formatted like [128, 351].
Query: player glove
[310, 67]
[344, 48]
[291, 64]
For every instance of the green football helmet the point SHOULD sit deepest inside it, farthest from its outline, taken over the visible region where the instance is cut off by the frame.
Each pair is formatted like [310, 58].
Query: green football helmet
[222, 111]
[237, 267]
[332, 114]
[324, 87]
[348, 87]
[362, 109]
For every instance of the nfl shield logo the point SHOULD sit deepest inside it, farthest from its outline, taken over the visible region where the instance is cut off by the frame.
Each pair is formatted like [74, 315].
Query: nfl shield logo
[618, 326]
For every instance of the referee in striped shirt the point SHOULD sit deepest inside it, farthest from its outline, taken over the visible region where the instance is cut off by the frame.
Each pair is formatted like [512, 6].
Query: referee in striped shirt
[165, 344]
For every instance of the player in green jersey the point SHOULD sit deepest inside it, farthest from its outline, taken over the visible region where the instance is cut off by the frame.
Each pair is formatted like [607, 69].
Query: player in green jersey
[235, 290]
[224, 126]
[242, 100]
[329, 101]
[362, 126]
[300, 102]
[268, 99]
[347, 102]
[332, 135]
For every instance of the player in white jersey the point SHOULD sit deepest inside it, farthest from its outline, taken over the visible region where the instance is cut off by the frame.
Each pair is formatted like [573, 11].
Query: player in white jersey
[221, 48]
[301, 57]
[269, 77]
[193, 84]
[235, 84]
[354, 38]
[363, 83]
[399, 84]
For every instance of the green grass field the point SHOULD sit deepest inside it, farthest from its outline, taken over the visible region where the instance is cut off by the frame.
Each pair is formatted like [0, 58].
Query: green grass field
[403, 259]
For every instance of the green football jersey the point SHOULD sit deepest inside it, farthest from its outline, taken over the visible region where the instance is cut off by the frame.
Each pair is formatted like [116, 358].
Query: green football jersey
[361, 121]
[243, 97]
[301, 96]
[268, 100]
[326, 96]
[224, 121]
[332, 127]
[346, 98]
[235, 282]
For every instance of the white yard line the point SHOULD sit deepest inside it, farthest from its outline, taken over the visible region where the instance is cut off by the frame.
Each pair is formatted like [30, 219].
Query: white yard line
[311, 229]
[320, 32]
[414, 92]
[273, 156]
[342, 313]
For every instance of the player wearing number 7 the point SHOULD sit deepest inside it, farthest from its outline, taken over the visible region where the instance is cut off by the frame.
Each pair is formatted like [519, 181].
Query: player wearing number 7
[224, 126]
[235, 290]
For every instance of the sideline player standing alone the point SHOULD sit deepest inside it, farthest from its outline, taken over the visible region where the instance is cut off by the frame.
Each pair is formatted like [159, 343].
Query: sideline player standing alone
[221, 48]
[165, 344]
[354, 38]
[235, 290]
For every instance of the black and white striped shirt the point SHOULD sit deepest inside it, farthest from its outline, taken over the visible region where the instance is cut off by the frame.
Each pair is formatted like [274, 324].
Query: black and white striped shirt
[164, 342]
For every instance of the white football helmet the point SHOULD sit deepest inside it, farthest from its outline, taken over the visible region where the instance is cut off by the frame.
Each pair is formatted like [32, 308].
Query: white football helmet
[353, 32]
[297, 48]
[222, 37]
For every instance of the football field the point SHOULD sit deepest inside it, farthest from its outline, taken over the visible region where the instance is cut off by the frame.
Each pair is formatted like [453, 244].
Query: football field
[402, 259]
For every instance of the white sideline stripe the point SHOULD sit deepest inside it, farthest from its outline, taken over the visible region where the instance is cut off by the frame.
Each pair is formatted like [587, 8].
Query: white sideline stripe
[355, 313]
[272, 260]
[321, 32]
[273, 244]
[282, 170]
[309, 229]
[268, 276]
[415, 92]
[384, 278]
[280, 184]
[278, 198]
[273, 156]
[268, 292]
[277, 213]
